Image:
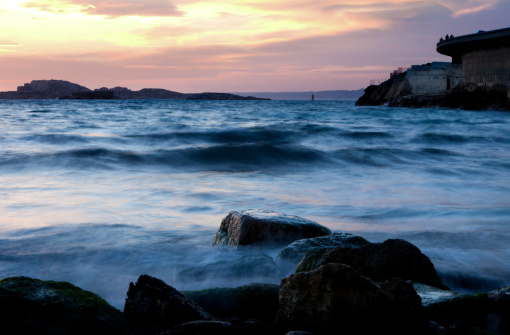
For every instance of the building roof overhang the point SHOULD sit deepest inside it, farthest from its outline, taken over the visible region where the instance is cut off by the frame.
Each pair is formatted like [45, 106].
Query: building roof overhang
[457, 46]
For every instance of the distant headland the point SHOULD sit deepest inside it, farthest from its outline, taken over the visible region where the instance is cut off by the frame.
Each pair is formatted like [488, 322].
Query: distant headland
[61, 89]
[478, 78]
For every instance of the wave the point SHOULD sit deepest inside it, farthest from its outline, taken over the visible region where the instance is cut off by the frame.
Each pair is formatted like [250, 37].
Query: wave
[376, 157]
[250, 135]
[244, 157]
[56, 139]
[363, 135]
[441, 138]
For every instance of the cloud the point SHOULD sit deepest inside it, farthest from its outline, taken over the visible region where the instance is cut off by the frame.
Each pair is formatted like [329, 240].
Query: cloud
[468, 7]
[108, 8]
[9, 44]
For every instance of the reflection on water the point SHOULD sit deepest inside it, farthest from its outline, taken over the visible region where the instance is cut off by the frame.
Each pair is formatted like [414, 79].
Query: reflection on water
[97, 193]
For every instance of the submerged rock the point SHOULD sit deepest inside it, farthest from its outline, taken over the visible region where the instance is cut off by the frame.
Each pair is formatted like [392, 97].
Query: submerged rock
[260, 227]
[290, 256]
[393, 258]
[336, 299]
[32, 306]
[260, 268]
[153, 306]
[259, 301]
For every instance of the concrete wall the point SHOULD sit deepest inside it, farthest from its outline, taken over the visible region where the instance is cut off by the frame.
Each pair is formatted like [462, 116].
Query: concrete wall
[487, 66]
[433, 78]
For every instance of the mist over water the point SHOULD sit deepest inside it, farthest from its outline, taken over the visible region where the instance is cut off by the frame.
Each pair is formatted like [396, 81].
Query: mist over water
[100, 192]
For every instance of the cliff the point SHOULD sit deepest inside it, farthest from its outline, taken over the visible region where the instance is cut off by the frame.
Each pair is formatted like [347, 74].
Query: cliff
[396, 92]
[376, 95]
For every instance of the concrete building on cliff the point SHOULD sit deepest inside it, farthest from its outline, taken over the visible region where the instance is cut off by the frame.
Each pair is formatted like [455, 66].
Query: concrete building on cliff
[483, 56]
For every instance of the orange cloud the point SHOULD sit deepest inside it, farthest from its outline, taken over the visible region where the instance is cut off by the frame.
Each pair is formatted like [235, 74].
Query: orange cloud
[108, 8]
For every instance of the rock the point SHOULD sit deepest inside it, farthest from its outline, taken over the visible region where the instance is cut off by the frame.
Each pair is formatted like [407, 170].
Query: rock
[336, 298]
[48, 89]
[376, 95]
[467, 314]
[205, 328]
[393, 258]
[500, 296]
[290, 256]
[259, 301]
[259, 268]
[433, 295]
[260, 227]
[32, 306]
[153, 306]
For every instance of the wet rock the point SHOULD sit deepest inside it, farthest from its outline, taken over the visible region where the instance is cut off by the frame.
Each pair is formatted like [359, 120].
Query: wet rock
[153, 306]
[259, 268]
[32, 306]
[259, 301]
[500, 296]
[466, 314]
[205, 328]
[393, 258]
[432, 295]
[260, 227]
[335, 297]
[290, 256]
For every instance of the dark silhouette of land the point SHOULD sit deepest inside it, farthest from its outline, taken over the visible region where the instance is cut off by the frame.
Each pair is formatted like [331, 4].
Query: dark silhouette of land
[61, 89]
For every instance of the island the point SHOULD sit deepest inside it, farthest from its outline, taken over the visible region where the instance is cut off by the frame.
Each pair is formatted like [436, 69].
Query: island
[61, 89]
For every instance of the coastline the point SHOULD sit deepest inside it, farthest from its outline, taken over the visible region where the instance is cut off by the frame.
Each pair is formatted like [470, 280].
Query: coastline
[154, 307]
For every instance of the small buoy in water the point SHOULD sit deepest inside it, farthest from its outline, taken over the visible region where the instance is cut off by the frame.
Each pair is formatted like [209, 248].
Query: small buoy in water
[313, 98]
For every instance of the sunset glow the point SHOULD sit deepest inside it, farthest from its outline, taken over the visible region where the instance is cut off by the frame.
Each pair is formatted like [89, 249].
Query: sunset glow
[258, 45]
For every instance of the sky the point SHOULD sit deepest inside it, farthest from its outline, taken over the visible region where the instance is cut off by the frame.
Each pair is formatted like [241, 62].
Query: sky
[231, 45]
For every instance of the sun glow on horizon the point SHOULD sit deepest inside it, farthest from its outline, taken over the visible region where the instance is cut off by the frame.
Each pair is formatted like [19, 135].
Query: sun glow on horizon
[246, 37]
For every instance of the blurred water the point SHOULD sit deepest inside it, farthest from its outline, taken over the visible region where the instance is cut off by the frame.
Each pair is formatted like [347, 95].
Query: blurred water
[99, 192]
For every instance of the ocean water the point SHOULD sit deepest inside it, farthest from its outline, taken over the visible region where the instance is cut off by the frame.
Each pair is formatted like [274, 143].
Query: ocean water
[99, 192]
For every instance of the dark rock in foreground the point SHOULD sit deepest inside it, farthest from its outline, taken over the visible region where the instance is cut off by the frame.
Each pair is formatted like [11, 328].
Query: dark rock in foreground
[153, 306]
[260, 268]
[393, 258]
[293, 253]
[467, 314]
[32, 306]
[336, 299]
[259, 227]
[259, 301]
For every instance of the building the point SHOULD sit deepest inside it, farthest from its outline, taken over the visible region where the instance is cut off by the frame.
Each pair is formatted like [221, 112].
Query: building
[434, 78]
[484, 56]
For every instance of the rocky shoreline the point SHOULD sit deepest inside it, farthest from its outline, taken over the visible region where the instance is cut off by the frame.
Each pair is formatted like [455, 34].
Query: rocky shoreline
[61, 89]
[338, 283]
[396, 92]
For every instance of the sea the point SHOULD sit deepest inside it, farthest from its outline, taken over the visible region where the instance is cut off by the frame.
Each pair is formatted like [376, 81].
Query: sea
[97, 193]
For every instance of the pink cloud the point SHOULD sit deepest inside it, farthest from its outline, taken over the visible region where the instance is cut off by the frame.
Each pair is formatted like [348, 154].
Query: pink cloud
[109, 8]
